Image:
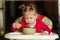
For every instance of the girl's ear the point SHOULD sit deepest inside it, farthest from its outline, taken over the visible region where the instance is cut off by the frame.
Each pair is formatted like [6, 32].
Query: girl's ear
[36, 16]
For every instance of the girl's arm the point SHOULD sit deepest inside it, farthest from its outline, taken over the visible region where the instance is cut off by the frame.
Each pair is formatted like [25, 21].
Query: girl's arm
[18, 25]
[46, 29]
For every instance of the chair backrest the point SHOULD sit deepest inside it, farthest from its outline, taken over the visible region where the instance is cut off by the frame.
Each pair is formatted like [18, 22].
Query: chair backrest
[48, 22]
[45, 19]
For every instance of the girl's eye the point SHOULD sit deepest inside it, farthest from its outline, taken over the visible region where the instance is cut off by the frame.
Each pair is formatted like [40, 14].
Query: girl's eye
[26, 18]
[30, 17]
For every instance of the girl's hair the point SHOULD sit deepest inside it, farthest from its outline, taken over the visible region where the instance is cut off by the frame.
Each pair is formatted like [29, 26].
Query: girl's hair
[27, 7]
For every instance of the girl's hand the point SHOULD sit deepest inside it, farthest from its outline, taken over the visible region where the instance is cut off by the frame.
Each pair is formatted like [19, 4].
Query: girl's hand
[44, 33]
[17, 25]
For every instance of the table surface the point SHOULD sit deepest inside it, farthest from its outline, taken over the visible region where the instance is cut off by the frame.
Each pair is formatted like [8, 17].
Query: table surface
[17, 35]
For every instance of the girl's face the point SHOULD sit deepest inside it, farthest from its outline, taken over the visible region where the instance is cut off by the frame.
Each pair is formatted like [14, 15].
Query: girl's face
[30, 18]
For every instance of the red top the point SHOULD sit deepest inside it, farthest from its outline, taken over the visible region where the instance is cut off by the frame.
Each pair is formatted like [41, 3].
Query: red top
[39, 26]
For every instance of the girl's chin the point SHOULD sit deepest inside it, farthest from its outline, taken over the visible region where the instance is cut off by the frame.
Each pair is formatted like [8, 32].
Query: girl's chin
[30, 23]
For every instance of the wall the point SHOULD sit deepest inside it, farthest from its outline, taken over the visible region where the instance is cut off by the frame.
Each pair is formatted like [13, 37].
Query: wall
[1, 18]
[59, 9]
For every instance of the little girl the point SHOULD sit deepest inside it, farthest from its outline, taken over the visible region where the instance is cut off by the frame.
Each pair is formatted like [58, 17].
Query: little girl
[31, 19]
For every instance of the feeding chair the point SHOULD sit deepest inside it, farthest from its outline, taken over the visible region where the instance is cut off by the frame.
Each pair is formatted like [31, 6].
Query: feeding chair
[46, 20]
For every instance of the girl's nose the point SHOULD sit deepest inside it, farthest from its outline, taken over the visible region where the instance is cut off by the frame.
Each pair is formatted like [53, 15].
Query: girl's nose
[28, 20]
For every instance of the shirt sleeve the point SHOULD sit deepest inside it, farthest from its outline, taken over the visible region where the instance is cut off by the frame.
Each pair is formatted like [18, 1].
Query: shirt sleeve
[46, 32]
[45, 27]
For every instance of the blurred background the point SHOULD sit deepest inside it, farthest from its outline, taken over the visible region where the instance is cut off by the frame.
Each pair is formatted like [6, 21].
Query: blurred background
[9, 12]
